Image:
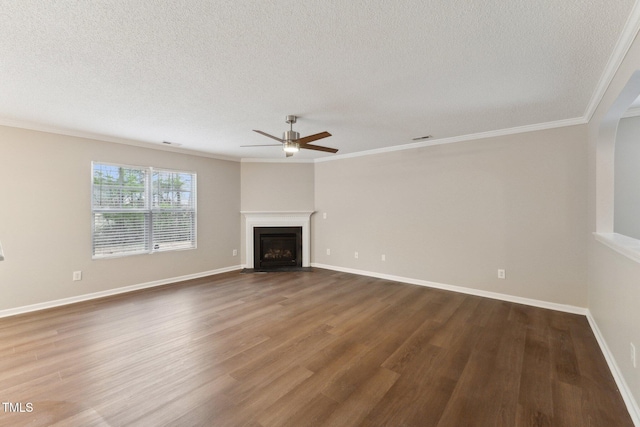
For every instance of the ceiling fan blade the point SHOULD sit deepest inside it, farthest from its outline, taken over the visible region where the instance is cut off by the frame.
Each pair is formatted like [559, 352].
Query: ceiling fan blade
[267, 135]
[311, 138]
[262, 145]
[318, 148]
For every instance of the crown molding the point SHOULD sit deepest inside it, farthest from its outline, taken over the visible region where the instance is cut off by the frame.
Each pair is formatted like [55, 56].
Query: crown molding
[628, 35]
[450, 140]
[279, 160]
[461, 138]
[106, 138]
[631, 112]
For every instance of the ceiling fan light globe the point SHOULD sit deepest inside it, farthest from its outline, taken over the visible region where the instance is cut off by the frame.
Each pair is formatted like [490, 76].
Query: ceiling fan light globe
[291, 147]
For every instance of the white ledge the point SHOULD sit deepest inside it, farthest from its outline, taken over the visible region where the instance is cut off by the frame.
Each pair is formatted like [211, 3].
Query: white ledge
[625, 245]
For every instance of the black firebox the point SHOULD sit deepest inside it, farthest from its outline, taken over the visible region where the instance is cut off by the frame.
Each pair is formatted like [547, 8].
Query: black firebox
[277, 247]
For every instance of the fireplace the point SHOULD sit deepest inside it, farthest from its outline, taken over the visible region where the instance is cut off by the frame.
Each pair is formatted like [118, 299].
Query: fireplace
[278, 220]
[277, 247]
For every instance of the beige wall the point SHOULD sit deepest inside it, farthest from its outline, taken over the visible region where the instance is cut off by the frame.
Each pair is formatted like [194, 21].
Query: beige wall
[456, 213]
[275, 186]
[614, 280]
[45, 218]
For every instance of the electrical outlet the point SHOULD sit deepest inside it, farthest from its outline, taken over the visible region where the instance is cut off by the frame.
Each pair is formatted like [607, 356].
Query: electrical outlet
[324, 215]
[235, 252]
[355, 255]
[633, 354]
[383, 257]
[328, 251]
[77, 275]
[501, 274]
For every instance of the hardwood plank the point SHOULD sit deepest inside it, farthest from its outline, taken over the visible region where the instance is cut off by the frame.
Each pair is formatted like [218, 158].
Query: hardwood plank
[247, 407]
[312, 414]
[280, 411]
[364, 366]
[567, 406]
[358, 405]
[535, 404]
[421, 393]
[148, 412]
[272, 363]
[563, 357]
[483, 395]
[304, 348]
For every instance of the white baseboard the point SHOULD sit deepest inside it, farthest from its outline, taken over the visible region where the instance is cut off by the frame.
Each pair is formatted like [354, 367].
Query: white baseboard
[470, 291]
[627, 396]
[110, 292]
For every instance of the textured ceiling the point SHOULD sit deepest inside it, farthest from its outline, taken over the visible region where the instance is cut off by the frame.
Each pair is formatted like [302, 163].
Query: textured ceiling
[373, 73]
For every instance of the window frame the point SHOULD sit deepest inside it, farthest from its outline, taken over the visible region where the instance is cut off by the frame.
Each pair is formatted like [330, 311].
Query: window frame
[149, 210]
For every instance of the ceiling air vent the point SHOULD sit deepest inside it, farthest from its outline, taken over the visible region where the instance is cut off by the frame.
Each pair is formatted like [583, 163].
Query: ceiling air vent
[422, 138]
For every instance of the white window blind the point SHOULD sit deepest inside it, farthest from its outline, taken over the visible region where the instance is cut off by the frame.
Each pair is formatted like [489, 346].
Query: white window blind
[142, 210]
[173, 210]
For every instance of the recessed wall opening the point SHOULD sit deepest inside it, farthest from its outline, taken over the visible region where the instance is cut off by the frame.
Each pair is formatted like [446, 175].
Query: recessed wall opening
[626, 198]
[617, 223]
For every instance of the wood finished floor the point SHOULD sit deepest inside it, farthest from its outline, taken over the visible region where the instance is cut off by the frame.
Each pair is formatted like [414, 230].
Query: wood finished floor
[304, 349]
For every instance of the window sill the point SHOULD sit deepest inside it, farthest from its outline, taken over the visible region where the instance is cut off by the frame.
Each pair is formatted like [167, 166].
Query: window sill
[625, 245]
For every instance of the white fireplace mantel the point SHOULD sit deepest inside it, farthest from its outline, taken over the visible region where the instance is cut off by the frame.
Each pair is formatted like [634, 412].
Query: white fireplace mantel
[278, 219]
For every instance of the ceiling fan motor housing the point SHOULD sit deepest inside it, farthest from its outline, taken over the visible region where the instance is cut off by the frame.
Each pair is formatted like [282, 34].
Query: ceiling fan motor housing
[290, 135]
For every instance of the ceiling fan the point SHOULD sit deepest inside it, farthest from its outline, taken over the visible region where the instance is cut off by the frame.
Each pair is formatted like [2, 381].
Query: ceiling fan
[292, 143]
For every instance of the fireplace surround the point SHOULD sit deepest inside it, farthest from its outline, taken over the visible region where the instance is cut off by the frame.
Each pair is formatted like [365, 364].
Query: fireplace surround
[272, 219]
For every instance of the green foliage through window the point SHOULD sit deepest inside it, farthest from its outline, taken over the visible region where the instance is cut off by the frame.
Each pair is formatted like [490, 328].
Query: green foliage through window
[142, 210]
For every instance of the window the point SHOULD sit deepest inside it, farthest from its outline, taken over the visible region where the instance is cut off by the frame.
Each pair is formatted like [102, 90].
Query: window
[142, 210]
